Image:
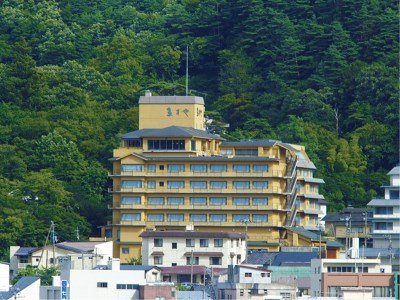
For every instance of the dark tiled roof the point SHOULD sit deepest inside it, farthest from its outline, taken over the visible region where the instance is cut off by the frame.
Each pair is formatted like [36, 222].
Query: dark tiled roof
[192, 234]
[23, 251]
[170, 132]
[138, 268]
[216, 254]
[260, 258]
[294, 258]
[78, 247]
[356, 216]
[376, 252]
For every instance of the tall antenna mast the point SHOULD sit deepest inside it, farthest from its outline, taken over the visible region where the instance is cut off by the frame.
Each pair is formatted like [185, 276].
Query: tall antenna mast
[187, 70]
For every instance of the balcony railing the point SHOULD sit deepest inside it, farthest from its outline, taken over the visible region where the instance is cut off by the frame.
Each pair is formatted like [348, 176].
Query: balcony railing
[272, 173]
[228, 223]
[275, 190]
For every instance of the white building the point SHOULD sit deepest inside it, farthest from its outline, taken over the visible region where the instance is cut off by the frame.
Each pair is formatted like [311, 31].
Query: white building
[4, 277]
[111, 281]
[28, 287]
[248, 282]
[386, 222]
[88, 253]
[179, 248]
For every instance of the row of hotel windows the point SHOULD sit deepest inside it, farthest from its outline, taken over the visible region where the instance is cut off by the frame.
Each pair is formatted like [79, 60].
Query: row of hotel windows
[195, 217]
[203, 243]
[195, 200]
[197, 168]
[214, 261]
[180, 184]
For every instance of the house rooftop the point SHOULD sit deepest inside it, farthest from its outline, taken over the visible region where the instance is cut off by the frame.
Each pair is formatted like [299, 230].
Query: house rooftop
[170, 132]
[78, 247]
[25, 251]
[21, 284]
[395, 170]
[294, 258]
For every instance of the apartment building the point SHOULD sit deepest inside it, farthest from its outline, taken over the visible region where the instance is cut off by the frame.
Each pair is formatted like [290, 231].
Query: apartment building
[172, 173]
[330, 276]
[179, 248]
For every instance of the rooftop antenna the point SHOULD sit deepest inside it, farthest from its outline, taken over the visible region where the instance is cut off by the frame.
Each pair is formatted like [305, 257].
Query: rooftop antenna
[187, 69]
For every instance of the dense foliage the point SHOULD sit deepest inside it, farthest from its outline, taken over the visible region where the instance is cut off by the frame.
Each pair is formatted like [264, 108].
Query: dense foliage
[321, 73]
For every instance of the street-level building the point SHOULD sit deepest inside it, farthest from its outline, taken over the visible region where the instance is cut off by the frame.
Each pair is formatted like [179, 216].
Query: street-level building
[329, 276]
[180, 248]
[172, 173]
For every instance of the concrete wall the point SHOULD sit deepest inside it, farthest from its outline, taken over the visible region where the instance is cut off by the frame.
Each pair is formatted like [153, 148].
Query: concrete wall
[4, 277]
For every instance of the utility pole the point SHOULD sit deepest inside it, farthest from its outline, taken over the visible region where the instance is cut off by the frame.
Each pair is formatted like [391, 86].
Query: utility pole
[54, 241]
[191, 267]
[246, 222]
[77, 233]
[320, 238]
[187, 70]
[45, 244]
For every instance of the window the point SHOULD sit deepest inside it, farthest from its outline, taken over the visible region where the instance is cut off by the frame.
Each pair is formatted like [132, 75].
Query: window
[241, 168]
[260, 184]
[260, 168]
[240, 218]
[189, 242]
[217, 218]
[132, 168]
[161, 167]
[176, 168]
[102, 284]
[130, 217]
[133, 143]
[246, 152]
[248, 275]
[362, 269]
[218, 168]
[241, 201]
[155, 200]
[175, 200]
[23, 259]
[218, 243]
[131, 200]
[121, 286]
[198, 200]
[166, 145]
[218, 184]
[260, 201]
[175, 217]
[393, 194]
[193, 145]
[174, 264]
[241, 292]
[125, 250]
[215, 261]
[151, 168]
[218, 201]
[158, 260]
[158, 242]
[204, 243]
[198, 168]
[151, 184]
[176, 184]
[241, 184]
[174, 246]
[189, 260]
[384, 225]
[198, 217]
[226, 152]
[132, 184]
[313, 188]
[260, 218]
[161, 183]
[198, 184]
[155, 217]
[384, 210]
[265, 275]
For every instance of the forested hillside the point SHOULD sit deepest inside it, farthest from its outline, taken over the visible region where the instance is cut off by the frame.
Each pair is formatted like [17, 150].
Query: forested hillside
[322, 73]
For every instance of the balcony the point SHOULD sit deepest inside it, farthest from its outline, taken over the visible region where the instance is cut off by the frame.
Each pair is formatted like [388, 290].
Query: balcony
[394, 216]
[270, 190]
[199, 224]
[272, 173]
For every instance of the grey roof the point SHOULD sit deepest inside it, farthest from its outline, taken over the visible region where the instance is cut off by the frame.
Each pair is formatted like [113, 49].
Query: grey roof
[250, 143]
[138, 268]
[306, 164]
[375, 252]
[171, 100]
[25, 251]
[323, 201]
[194, 234]
[260, 258]
[313, 211]
[314, 180]
[384, 202]
[356, 217]
[170, 132]
[314, 236]
[78, 247]
[21, 284]
[395, 170]
[294, 258]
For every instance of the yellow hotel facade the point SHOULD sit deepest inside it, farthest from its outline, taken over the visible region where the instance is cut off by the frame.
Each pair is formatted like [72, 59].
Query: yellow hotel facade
[172, 173]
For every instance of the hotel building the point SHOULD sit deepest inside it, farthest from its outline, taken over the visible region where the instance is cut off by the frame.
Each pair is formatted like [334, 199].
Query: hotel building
[172, 173]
